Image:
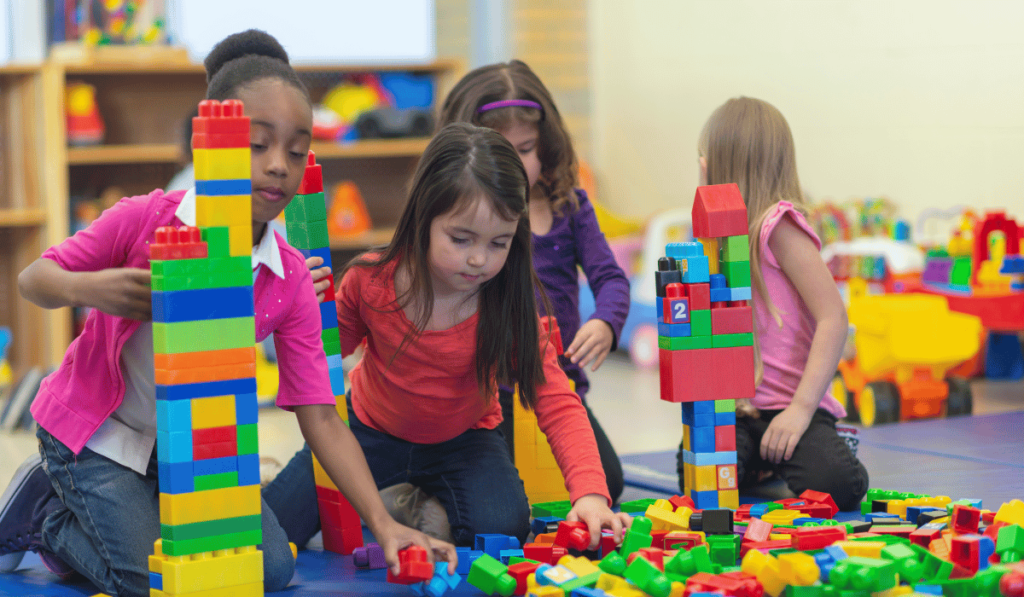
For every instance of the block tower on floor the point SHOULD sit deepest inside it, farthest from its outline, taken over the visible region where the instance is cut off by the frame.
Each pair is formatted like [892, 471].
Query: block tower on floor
[541, 476]
[705, 340]
[306, 223]
[203, 334]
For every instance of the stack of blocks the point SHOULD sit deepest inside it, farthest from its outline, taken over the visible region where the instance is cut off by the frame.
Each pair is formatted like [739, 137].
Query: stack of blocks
[203, 334]
[538, 470]
[306, 223]
[705, 340]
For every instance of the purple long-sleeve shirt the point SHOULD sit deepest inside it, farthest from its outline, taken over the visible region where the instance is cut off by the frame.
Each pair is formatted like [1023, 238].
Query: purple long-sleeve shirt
[577, 240]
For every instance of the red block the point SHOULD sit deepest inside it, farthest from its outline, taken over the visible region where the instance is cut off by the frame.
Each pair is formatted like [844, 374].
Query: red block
[814, 510]
[732, 373]
[329, 294]
[653, 555]
[736, 584]
[725, 438]
[312, 178]
[757, 530]
[718, 210]
[678, 501]
[924, 537]
[658, 539]
[219, 141]
[607, 544]
[414, 567]
[764, 546]
[682, 540]
[214, 435]
[339, 515]
[220, 125]
[808, 538]
[732, 320]
[965, 551]
[549, 325]
[965, 519]
[217, 450]
[520, 572]
[341, 541]
[699, 295]
[892, 529]
[820, 497]
[572, 534]
[184, 242]
[686, 375]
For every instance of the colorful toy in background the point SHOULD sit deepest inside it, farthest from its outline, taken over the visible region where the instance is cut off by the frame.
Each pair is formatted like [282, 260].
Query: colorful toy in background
[6, 377]
[904, 347]
[856, 218]
[885, 264]
[84, 123]
[706, 340]
[109, 22]
[347, 215]
[371, 106]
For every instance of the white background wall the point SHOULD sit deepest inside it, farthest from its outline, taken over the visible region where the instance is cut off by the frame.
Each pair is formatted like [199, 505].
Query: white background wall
[921, 101]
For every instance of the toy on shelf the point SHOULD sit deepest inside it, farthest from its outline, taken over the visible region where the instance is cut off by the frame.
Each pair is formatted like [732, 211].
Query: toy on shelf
[904, 347]
[83, 121]
[374, 106]
[347, 216]
[203, 331]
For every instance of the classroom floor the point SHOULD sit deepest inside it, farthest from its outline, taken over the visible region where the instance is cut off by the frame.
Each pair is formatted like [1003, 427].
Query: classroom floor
[977, 457]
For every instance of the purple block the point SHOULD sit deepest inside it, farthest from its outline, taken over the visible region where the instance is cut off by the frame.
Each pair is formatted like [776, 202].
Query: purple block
[371, 556]
[937, 270]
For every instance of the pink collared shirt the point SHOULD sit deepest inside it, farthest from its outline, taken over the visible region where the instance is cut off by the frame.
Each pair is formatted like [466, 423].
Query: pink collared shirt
[89, 385]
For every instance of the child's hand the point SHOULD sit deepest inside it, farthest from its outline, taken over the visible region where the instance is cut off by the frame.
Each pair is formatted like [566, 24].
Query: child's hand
[122, 291]
[396, 536]
[745, 409]
[321, 277]
[592, 343]
[784, 432]
[593, 509]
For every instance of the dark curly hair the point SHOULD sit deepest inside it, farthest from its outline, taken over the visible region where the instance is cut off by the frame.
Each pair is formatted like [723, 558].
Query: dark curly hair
[243, 58]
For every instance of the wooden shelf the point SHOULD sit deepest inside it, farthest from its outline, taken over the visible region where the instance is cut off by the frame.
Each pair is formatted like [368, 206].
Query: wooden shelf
[373, 148]
[118, 68]
[20, 69]
[16, 218]
[148, 153]
[372, 238]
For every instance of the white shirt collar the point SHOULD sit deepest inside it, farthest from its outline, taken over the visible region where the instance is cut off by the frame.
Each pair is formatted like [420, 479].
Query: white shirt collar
[267, 252]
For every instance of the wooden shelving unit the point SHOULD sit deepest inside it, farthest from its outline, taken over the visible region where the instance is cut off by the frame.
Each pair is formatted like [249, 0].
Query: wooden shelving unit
[143, 105]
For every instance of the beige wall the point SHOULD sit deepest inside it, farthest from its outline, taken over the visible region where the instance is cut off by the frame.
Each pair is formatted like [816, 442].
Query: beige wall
[921, 101]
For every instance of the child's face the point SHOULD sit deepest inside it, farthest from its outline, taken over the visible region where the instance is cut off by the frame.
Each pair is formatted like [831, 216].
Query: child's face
[525, 138]
[468, 248]
[280, 134]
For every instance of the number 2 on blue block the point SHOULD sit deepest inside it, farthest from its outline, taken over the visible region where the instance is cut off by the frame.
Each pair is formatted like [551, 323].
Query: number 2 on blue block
[680, 311]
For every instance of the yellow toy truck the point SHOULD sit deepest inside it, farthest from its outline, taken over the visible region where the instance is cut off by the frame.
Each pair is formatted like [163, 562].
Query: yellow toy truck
[904, 345]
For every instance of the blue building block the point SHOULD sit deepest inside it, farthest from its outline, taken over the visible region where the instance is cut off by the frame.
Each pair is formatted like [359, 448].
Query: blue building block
[697, 266]
[156, 581]
[246, 408]
[226, 387]
[674, 330]
[466, 558]
[173, 415]
[758, 510]
[441, 583]
[540, 524]
[716, 458]
[914, 511]
[928, 589]
[739, 294]
[678, 310]
[720, 291]
[334, 361]
[506, 554]
[702, 439]
[323, 253]
[872, 516]
[728, 418]
[337, 375]
[328, 315]
[593, 592]
[174, 446]
[214, 188]
[705, 499]
[248, 469]
[1012, 264]
[808, 520]
[202, 304]
[215, 466]
[492, 544]
[176, 477]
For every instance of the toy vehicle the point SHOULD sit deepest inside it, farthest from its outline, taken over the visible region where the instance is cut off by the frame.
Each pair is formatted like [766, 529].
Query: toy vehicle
[905, 345]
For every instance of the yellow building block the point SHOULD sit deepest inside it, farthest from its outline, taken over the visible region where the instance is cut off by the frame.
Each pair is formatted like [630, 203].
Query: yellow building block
[689, 476]
[249, 590]
[545, 457]
[218, 411]
[865, 549]
[711, 251]
[779, 537]
[342, 407]
[706, 478]
[664, 520]
[228, 210]
[1011, 512]
[320, 476]
[229, 163]
[896, 592]
[678, 589]
[537, 467]
[685, 512]
[686, 438]
[215, 504]
[580, 566]
[766, 569]
[798, 569]
[729, 498]
[782, 517]
[545, 591]
[208, 570]
[664, 505]
[617, 586]
[240, 240]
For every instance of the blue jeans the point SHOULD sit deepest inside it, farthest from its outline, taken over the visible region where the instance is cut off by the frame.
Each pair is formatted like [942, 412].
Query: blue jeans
[111, 517]
[471, 475]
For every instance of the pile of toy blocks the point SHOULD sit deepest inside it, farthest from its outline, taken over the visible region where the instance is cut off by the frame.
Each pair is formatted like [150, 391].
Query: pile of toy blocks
[203, 341]
[306, 225]
[705, 340]
[908, 544]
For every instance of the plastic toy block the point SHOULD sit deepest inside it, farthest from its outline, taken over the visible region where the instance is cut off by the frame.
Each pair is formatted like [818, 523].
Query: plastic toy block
[312, 177]
[700, 322]
[218, 242]
[648, 578]
[718, 210]
[217, 481]
[207, 413]
[173, 415]
[736, 248]
[711, 249]
[214, 466]
[732, 320]
[684, 374]
[863, 574]
[210, 358]
[492, 544]
[323, 253]
[703, 459]
[677, 343]
[246, 409]
[667, 274]
[908, 566]
[441, 583]
[205, 389]
[553, 575]
[341, 541]
[217, 117]
[676, 540]
[171, 243]
[821, 497]
[674, 330]
[725, 438]
[307, 235]
[677, 310]
[726, 477]
[224, 210]
[218, 188]
[699, 295]
[176, 477]
[965, 519]
[665, 520]
[547, 553]
[371, 557]
[174, 377]
[505, 556]
[725, 418]
[798, 569]
[705, 499]
[732, 340]
[725, 406]
[809, 538]
[216, 450]
[544, 524]
[337, 376]
[491, 576]
[240, 240]
[214, 543]
[307, 208]
[174, 446]
[156, 581]
[219, 164]
[734, 372]
[737, 273]
[572, 535]
[971, 551]
[216, 504]
[1010, 543]
[556, 508]
[247, 439]
[757, 530]
[208, 571]
[688, 563]
[719, 289]
[198, 336]
[201, 281]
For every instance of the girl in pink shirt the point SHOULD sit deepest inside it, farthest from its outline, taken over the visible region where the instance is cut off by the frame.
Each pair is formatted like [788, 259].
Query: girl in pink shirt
[789, 427]
[97, 413]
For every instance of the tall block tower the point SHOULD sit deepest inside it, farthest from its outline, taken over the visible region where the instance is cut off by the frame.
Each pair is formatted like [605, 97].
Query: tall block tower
[306, 223]
[203, 343]
[706, 341]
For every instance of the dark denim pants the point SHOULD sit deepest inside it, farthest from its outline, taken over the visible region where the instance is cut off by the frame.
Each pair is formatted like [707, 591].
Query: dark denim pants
[471, 475]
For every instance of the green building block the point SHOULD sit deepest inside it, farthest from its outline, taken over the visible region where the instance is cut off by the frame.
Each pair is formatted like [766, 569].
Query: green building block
[648, 578]
[203, 335]
[332, 347]
[737, 273]
[587, 580]
[725, 406]
[198, 281]
[228, 541]
[735, 248]
[684, 342]
[613, 563]
[700, 322]
[248, 439]
[908, 566]
[559, 509]
[307, 235]
[863, 574]
[731, 340]
[637, 537]
[960, 275]
[198, 530]
[688, 563]
[1010, 543]
[217, 481]
[307, 208]
[217, 241]
[640, 505]
[491, 576]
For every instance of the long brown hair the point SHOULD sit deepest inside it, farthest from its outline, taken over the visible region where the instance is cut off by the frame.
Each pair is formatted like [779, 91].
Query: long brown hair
[461, 165]
[747, 141]
[515, 80]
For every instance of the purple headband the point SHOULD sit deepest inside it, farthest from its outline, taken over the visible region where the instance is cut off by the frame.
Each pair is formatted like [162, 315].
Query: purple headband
[510, 103]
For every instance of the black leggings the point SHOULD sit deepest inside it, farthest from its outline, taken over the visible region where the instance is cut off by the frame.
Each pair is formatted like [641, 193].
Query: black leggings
[821, 461]
[609, 459]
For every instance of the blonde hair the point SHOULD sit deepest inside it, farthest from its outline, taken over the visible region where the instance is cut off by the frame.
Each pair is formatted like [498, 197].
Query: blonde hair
[747, 141]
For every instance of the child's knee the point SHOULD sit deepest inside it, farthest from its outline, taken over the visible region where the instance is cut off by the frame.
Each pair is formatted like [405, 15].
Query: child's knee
[511, 518]
[278, 567]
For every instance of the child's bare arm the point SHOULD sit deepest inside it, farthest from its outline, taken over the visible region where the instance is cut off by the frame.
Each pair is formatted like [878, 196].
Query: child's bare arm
[123, 292]
[800, 261]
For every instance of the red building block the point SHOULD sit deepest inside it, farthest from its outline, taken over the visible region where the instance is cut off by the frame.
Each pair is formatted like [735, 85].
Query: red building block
[971, 551]
[757, 530]
[607, 544]
[809, 538]
[682, 540]
[764, 546]
[329, 294]
[184, 242]
[572, 535]
[679, 501]
[653, 555]
[699, 296]
[214, 435]
[924, 536]
[658, 539]
[413, 567]
[549, 325]
[216, 450]
[343, 541]
[736, 584]
[731, 320]
[994, 221]
[220, 125]
[725, 438]
[820, 497]
[731, 373]
[688, 375]
[965, 519]
[545, 553]
[520, 571]
[312, 178]
[718, 210]
[814, 510]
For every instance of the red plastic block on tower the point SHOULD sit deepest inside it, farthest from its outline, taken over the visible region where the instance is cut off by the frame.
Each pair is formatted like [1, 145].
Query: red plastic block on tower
[688, 375]
[572, 534]
[820, 497]
[718, 210]
[177, 243]
[731, 374]
[809, 538]
[220, 125]
[312, 178]
[214, 435]
[731, 320]
[549, 325]
[699, 295]
[677, 306]
[343, 541]
[217, 450]
[965, 519]
[413, 566]
[725, 438]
